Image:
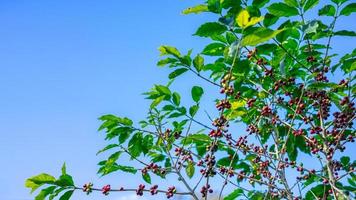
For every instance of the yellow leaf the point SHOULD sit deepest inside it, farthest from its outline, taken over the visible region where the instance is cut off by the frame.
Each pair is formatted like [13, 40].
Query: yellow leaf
[243, 18]
[237, 104]
[253, 21]
[262, 94]
[235, 114]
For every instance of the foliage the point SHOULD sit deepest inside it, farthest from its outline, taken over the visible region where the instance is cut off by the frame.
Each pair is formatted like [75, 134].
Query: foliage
[276, 75]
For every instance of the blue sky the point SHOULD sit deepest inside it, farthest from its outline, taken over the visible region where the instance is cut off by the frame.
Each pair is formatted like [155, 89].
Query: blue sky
[65, 63]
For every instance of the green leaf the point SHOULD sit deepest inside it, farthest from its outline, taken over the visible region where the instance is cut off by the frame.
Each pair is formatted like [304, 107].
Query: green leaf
[214, 6]
[259, 3]
[345, 160]
[128, 169]
[226, 161]
[175, 115]
[339, 2]
[257, 196]
[292, 3]
[166, 61]
[157, 101]
[169, 50]
[124, 136]
[269, 20]
[111, 121]
[345, 33]
[197, 92]
[316, 192]
[310, 27]
[190, 169]
[64, 169]
[66, 195]
[291, 148]
[45, 192]
[169, 107]
[198, 63]
[282, 10]
[56, 192]
[163, 90]
[310, 4]
[193, 110]
[233, 195]
[244, 166]
[177, 72]
[65, 180]
[214, 49]
[157, 157]
[259, 36]
[115, 167]
[110, 146]
[301, 144]
[347, 10]
[147, 178]
[312, 179]
[196, 138]
[327, 10]
[196, 9]
[36, 181]
[147, 143]
[135, 145]
[176, 98]
[210, 29]
[322, 85]
[113, 158]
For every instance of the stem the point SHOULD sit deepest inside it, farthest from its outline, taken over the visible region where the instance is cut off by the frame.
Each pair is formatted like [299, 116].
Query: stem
[131, 190]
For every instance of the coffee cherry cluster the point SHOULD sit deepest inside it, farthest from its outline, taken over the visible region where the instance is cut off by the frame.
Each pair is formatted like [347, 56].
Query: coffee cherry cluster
[314, 145]
[220, 122]
[261, 62]
[229, 171]
[250, 102]
[344, 118]
[154, 190]
[168, 133]
[88, 188]
[226, 88]
[241, 143]
[216, 133]
[251, 53]
[205, 189]
[106, 189]
[139, 190]
[154, 168]
[186, 155]
[251, 129]
[321, 102]
[241, 175]
[210, 162]
[262, 167]
[269, 72]
[171, 191]
[315, 130]
[320, 76]
[280, 83]
[311, 59]
[298, 132]
[223, 104]
[266, 111]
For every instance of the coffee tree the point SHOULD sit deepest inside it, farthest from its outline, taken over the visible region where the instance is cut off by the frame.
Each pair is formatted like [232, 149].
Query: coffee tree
[274, 72]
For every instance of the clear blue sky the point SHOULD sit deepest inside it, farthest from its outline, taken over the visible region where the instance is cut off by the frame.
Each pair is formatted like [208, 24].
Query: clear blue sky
[65, 63]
